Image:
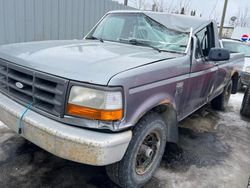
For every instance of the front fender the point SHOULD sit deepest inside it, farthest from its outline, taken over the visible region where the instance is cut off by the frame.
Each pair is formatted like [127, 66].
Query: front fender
[154, 103]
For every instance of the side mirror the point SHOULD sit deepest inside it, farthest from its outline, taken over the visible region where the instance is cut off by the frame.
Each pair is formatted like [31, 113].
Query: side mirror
[219, 54]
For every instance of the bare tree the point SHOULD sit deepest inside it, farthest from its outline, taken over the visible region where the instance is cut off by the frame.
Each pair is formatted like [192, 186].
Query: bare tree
[140, 4]
[183, 10]
[214, 11]
[216, 16]
[158, 5]
[161, 5]
[243, 18]
[181, 7]
[169, 6]
[184, 6]
[154, 7]
[193, 13]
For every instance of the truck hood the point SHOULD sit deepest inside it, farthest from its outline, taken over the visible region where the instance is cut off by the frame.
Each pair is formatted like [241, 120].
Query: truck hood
[81, 60]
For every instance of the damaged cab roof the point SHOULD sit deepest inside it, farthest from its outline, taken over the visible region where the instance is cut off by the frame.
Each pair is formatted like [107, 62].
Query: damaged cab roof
[177, 22]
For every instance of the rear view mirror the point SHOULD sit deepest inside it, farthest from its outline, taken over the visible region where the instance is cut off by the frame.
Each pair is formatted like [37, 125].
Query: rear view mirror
[219, 54]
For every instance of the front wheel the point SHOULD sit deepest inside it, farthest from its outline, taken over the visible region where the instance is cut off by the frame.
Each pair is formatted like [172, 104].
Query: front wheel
[143, 155]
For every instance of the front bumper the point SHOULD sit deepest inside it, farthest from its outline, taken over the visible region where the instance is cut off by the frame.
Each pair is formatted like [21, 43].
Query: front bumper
[68, 142]
[245, 78]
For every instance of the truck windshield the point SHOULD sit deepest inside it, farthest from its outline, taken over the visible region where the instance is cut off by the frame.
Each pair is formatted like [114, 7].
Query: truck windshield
[237, 47]
[138, 29]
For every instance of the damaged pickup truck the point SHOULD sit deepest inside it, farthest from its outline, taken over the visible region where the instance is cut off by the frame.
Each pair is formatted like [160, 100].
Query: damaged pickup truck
[115, 98]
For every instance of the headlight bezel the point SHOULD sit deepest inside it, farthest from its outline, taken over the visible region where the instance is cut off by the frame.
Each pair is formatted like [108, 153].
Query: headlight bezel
[97, 88]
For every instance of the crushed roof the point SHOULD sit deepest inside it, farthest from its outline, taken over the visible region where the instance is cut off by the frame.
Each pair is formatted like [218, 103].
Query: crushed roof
[178, 22]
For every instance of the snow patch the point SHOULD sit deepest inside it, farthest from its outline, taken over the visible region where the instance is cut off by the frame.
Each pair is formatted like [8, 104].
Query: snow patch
[2, 125]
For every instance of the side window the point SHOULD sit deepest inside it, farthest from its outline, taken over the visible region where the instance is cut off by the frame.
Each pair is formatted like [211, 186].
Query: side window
[204, 42]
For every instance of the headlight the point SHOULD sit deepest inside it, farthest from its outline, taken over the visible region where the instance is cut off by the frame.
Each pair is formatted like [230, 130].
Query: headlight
[95, 104]
[247, 69]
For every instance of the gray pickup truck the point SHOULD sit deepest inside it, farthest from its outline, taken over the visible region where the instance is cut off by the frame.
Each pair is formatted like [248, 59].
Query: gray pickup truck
[115, 98]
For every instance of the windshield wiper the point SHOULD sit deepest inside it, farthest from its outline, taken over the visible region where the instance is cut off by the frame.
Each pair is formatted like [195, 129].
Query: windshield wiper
[140, 43]
[95, 38]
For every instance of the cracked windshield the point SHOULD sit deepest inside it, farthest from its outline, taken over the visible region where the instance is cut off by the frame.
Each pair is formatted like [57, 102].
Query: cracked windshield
[141, 30]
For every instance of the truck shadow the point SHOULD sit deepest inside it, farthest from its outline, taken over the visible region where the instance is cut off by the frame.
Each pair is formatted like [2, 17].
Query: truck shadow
[199, 143]
[198, 149]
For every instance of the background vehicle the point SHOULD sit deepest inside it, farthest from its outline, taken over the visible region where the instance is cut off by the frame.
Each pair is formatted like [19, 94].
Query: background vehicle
[241, 34]
[240, 47]
[116, 97]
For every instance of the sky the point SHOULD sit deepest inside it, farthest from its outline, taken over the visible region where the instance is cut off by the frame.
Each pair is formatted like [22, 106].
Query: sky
[209, 8]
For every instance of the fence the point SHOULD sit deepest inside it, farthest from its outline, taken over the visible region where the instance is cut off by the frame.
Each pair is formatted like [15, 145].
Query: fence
[33, 20]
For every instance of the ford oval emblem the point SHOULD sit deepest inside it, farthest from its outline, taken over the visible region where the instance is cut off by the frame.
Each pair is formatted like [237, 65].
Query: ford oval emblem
[19, 85]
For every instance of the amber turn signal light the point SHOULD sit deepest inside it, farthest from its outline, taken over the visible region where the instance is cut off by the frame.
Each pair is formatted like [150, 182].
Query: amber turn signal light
[95, 114]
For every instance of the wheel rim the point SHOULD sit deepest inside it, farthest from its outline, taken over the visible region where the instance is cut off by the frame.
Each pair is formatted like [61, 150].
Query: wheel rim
[147, 153]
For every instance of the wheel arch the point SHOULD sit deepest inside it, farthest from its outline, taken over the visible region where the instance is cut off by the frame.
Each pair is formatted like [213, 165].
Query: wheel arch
[169, 115]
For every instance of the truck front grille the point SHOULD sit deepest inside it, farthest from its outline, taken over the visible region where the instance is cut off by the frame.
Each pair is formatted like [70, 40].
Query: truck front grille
[45, 92]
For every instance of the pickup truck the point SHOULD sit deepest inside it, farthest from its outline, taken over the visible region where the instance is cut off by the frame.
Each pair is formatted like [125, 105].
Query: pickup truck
[115, 98]
[240, 47]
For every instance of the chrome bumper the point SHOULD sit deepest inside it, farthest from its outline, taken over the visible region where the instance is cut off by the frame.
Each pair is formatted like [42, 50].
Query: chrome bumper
[68, 142]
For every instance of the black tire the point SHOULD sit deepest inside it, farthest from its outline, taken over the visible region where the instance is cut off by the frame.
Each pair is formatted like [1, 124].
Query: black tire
[126, 172]
[245, 106]
[239, 85]
[221, 101]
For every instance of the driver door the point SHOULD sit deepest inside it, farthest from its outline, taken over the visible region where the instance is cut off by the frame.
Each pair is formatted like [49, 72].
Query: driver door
[203, 71]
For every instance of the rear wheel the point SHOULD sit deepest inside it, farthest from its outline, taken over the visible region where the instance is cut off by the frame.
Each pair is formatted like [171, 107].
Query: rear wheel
[221, 102]
[245, 106]
[143, 155]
